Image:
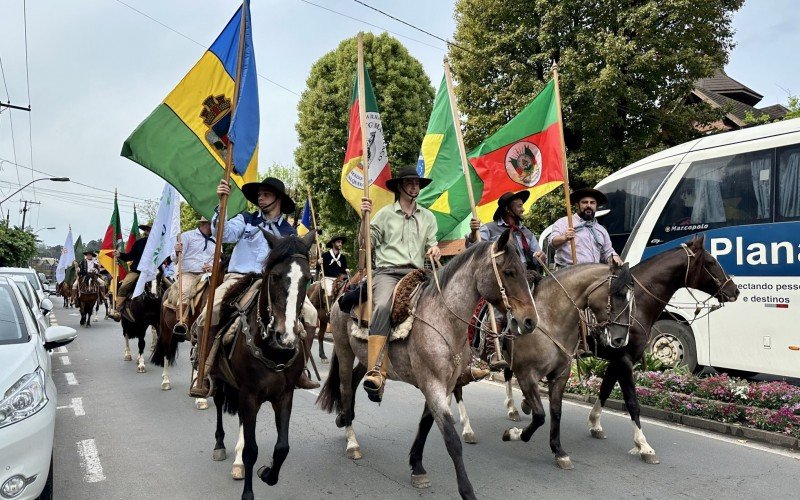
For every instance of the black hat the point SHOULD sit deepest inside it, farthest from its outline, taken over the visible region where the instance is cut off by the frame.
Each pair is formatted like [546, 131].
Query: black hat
[579, 194]
[338, 237]
[504, 200]
[90, 252]
[250, 191]
[145, 227]
[409, 172]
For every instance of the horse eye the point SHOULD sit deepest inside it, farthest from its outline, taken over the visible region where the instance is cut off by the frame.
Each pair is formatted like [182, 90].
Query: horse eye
[509, 273]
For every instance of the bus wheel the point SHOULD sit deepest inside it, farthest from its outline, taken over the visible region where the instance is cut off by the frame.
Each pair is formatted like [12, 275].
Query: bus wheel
[673, 344]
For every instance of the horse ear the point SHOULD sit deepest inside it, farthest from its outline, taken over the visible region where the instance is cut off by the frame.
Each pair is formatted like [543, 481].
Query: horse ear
[503, 240]
[308, 239]
[698, 242]
[271, 238]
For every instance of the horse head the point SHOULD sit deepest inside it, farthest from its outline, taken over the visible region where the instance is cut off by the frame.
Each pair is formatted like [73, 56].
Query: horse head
[285, 277]
[704, 272]
[613, 304]
[502, 282]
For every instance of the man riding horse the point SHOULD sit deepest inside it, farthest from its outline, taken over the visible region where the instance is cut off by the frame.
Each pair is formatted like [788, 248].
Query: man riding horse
[197, 248]
[250, 253]
[88, 268]
[129, 283]
[334, 262]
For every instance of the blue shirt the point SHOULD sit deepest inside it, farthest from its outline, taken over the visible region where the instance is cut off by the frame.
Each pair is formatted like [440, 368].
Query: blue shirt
[252, 249]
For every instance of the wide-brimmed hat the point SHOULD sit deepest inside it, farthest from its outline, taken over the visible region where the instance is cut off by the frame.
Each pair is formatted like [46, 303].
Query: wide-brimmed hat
[409, 172]
[90, 252]
[338, 237]
[145, 227]
[250, 191]
[507, 198]
[202, 219]
[579, 194]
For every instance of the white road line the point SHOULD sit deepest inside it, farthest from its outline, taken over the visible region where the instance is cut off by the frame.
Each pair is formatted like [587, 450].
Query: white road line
[313, 391]
[680, 428]
[76, 405]
[90, 461]
[65, 361]
[71, 380]
[59, 350]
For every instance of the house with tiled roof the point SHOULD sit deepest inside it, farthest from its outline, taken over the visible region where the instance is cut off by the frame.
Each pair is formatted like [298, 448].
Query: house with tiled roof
[735, 99]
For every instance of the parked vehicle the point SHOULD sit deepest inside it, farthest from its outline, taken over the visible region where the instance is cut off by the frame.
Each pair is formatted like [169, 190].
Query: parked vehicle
[28, 404]
[30, 274]
[742, 190]
[41, 311]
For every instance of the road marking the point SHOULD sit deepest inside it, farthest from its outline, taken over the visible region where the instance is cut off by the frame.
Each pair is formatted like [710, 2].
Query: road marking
[59, 350]
[680, 428]
[65, 360]
[90, 461]
[71, 380]
[76, 405]
[313, 391]
[74, 314]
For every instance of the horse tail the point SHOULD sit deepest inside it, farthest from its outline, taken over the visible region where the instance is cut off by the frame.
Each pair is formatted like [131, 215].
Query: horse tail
[231, 394]
[330, 396]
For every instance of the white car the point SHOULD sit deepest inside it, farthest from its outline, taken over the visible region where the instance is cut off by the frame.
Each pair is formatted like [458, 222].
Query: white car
[41, 311]
[30, 274]
[28, 397]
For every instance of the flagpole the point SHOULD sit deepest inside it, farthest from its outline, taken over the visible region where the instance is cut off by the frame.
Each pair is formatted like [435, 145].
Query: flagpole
[564, 155]
[319, 248]
[464, 165]
[223, 205]
[114, 265]
[362, 111]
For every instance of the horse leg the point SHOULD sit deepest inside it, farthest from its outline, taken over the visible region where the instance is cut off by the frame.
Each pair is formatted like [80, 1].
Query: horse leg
[419, 476]
[323, 325]
[219, 453]
[628, 386]
[283, 412]
[554, 396]
[467, 434]
[199, 403]
[609, 380]
[140, 368]
[237, 471]
[127, 356]
[248, 411]
[153, 338]
[530, 389]
[165, 383]
[511, 407]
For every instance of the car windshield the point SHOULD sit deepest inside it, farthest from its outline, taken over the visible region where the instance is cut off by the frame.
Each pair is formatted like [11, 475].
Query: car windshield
[12, 323]
[32, 278]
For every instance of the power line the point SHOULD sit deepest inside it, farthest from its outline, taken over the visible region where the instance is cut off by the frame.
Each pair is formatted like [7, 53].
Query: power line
[28, 85]
[11, 121]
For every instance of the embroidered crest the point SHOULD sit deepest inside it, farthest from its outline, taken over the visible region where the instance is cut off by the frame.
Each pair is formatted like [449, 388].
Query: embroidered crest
[216, 116]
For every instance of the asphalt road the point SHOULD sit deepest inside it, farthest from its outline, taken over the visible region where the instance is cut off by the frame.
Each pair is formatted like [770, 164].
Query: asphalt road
[118, 435]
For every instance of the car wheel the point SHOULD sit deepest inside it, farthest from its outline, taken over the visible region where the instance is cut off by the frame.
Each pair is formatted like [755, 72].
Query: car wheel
[673, 344]
[47, 492]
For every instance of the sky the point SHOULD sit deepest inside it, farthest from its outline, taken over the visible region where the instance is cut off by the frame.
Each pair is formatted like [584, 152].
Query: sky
[97, 68]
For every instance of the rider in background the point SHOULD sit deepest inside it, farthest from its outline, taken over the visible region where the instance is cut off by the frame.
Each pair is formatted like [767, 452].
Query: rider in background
[334, 262]
[129, 282]
[87, 266]
[197, 247]
[592, 242]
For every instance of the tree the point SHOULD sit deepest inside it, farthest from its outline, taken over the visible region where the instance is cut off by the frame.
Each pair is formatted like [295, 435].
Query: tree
[405, 98]
[625, 70]
[17, 246]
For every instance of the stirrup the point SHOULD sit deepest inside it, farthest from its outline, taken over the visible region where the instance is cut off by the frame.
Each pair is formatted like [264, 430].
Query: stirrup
[375, 394]
[496, 363]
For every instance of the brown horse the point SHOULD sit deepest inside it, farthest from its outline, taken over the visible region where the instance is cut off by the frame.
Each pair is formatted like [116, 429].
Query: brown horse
[265, 359]
[145, 311]
[87, 293]
[64, 290]
[316, 295]
[435, 353]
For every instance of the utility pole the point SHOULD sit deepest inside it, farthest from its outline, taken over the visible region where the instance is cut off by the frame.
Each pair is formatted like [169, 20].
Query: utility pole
[25, 210]
[13, 106]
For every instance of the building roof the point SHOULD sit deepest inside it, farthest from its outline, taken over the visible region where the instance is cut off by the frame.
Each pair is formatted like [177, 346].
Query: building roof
[735, 111]
[726, 86]
[776, 111]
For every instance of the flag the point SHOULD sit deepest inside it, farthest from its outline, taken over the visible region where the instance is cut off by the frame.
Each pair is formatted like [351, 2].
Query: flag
[67, 258]
[352, 181]
[186, 139]
[112, 241]
[305, 220]
[526, 154]
[162, 239]
[440, 160]
[134, 235]
[78, 250]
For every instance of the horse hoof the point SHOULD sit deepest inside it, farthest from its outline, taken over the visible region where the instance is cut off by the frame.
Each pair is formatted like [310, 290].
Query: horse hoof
[265, 474]
[564, 463]
[201, 404]
[420, 481]
[219, 455]
[354, 453]
[513, 415]
[650, 458]
[469, 437]
[513, 434]
[166, 386]
[340, 421]
[526, 408]
[324, 361]
[127, 357]
[237, 471]
[140, 369]
[598, 433]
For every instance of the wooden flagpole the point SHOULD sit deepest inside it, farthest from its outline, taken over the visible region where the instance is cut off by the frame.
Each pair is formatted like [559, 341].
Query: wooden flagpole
[564, 156]
[114, 264]
[223, 205]
[464, 165]
[319, 249]
[362, 111]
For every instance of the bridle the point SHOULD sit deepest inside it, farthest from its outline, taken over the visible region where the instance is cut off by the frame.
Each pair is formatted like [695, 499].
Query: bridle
[266, 327]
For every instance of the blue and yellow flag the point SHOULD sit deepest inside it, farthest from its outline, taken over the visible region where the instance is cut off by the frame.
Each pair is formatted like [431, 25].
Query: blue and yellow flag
[305, 220]
[186, 140]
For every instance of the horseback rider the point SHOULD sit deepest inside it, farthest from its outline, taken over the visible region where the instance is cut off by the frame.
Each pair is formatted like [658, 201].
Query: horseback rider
[129, 282]
[88, 266]
[592, 242]
[334, 262]
[251, 251]
[197, 247]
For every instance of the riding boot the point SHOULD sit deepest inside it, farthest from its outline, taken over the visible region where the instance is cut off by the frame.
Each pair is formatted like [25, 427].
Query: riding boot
[305, 382]
[375, 378]
[202, 388]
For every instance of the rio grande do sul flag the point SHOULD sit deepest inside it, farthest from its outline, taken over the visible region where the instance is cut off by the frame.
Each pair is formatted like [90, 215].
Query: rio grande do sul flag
[134, 234]
[112, 241]
[352, 181]
[526, 154]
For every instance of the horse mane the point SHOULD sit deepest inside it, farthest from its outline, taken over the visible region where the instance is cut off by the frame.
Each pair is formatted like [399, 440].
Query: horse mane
[239, 288]
[449, 270]
[288, 246]
[623, 280]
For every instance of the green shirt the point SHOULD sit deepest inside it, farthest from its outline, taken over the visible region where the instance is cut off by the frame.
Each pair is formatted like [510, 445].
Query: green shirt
[399, 240]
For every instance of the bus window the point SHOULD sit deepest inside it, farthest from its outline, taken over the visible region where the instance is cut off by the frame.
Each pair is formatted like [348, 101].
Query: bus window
[718, 192]
[788, 206]
[627, 198]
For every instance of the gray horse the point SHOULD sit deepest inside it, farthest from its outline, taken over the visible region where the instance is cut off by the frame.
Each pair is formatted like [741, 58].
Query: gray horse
[435, 353]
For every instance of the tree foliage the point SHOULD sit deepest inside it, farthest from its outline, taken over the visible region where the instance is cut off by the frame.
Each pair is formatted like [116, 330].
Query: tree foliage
[625, 70]
[405, 98]
[17, 246]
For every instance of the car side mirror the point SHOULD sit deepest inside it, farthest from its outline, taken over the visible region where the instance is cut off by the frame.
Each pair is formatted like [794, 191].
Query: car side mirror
[46, 305]
[56, 336]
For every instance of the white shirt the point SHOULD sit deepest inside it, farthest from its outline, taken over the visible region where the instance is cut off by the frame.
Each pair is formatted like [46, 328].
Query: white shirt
[197, 251]
[92, 265]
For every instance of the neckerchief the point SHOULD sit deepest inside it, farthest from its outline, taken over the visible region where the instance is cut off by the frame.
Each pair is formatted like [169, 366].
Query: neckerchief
[335, 258]
[207, 239]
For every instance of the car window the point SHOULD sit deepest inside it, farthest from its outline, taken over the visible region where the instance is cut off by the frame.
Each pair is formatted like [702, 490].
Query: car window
[24, 290]
[12, 323]
[32, 278]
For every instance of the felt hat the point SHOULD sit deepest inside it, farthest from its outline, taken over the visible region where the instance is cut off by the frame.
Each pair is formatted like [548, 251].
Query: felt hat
[507, 198]
[250, 191]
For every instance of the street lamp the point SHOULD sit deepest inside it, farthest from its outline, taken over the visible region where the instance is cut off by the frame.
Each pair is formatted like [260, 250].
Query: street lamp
[43, 228]
[54, 179]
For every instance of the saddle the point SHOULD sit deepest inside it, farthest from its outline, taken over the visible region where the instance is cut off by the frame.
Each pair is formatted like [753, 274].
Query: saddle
[197, 295]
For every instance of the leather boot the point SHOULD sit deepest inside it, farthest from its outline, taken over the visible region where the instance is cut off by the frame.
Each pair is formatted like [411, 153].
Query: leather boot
[305, 381]
[375, 378]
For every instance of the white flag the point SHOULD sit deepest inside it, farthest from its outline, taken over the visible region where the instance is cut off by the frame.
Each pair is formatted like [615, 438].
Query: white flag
[66, 259]
[161, 241]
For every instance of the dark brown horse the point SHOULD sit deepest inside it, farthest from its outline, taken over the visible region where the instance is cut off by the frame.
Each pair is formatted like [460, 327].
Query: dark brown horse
[88, 292]
[316, 294]
[64, 290]
[145, 311]
[265, 357]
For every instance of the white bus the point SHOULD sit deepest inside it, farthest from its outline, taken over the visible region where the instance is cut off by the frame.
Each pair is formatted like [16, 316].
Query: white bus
[742, 190]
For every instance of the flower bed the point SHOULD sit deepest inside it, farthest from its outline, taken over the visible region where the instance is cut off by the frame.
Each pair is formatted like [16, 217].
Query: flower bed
[770, 406]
